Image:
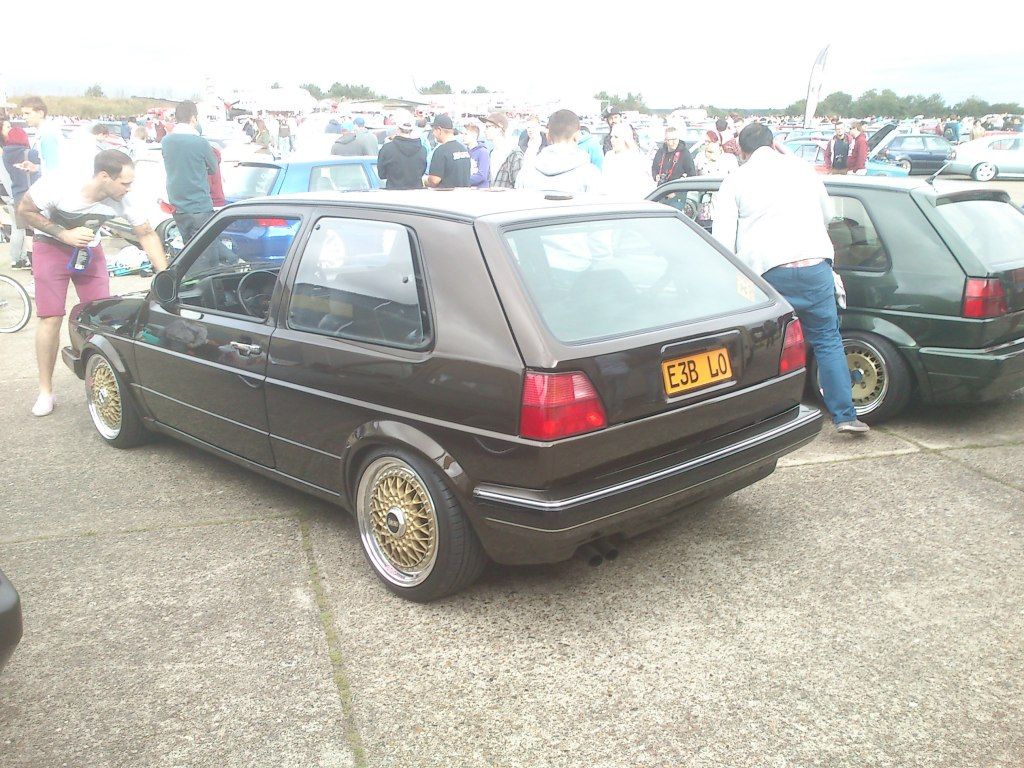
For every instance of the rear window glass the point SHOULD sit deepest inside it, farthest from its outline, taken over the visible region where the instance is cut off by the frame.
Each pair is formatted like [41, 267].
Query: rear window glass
[598, 279]
[245, 181]
[338, 178]
[992, 229]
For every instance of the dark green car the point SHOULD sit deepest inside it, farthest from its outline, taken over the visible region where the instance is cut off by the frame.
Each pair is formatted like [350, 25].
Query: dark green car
[934, 276]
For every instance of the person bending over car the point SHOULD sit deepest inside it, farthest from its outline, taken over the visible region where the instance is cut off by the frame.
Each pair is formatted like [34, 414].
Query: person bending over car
[64, 254]
[772, 213]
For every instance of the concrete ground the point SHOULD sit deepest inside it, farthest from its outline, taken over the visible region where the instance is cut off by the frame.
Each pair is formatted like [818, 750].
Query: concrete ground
[860, 607]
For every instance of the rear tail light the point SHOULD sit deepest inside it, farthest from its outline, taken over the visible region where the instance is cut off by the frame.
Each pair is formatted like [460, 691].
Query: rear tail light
[984, 297]
[557, 405]
[167, 207]
[794, 355]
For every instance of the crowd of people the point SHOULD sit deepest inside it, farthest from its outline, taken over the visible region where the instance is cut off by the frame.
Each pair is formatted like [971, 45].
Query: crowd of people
[780, 235]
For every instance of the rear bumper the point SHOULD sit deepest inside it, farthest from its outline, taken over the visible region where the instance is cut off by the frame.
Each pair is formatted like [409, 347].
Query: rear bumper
[973, 375]
[10, 619]
[524, 526]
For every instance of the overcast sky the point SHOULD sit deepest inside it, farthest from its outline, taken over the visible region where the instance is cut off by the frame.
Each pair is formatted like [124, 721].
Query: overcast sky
[683, 53]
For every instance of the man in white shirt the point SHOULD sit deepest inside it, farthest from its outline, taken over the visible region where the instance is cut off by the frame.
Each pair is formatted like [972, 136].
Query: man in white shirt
[772, 212]
[71, 252]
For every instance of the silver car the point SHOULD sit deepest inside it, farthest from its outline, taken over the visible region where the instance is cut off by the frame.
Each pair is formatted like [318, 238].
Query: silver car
[990, 157]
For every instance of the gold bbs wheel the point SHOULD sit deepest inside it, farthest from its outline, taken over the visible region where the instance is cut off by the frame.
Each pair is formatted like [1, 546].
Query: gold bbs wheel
[397, 521]
[104, 397]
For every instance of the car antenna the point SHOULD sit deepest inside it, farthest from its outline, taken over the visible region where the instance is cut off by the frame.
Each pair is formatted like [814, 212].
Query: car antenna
[931, 179]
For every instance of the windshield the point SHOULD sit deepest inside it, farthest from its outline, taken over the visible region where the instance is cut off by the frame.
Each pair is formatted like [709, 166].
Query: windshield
[599, 279]
[992, 229]
[245, 181]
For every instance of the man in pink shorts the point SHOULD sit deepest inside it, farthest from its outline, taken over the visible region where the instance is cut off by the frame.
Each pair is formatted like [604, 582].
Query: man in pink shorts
[52, 200]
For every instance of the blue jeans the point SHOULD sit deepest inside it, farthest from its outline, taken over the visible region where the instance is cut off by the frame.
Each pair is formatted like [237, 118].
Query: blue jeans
[812, 292]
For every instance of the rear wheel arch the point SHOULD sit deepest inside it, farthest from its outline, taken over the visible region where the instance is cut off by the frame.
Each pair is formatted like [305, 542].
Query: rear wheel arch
[383, 434]
[886, 378]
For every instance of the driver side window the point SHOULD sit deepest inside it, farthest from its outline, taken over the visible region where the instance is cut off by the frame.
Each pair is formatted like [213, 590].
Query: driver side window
[239, 247]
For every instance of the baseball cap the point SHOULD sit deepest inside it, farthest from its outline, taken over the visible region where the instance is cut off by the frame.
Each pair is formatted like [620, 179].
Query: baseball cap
[405, 127]
[359, 121]
[498, 119]
[611, 111]
[444, 122]
[347, 126]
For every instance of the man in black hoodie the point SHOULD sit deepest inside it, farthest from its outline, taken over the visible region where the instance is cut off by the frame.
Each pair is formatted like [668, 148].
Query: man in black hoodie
[403, 160]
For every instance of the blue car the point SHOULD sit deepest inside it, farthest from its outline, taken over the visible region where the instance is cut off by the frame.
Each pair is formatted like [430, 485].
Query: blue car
[282, 177]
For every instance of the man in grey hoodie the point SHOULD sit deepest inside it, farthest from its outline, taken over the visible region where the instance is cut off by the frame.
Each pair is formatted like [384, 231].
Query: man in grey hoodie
[561, 166]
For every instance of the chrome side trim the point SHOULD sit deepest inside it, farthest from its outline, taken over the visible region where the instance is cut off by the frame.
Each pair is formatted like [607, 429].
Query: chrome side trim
[490, 493]
[200, 361]
[149, 391]
[247, 463]
[973, 352]
[304, 447]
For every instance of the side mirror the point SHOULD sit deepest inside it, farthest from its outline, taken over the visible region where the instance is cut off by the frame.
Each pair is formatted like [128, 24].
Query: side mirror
[165, 286]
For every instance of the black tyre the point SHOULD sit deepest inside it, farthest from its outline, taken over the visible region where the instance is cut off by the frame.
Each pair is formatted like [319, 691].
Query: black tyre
[906, 165]
[880, 378]
[110, 404]
[413, 531]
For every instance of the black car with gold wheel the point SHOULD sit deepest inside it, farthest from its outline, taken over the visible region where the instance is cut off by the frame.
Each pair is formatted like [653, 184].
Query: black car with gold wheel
[934, 277]
[475, 375]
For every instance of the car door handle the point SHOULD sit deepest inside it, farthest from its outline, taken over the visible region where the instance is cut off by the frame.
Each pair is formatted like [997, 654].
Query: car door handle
[246, 350]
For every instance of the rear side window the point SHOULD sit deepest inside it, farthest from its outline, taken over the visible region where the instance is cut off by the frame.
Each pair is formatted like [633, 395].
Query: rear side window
[992, 229]
[599, 279]
[245, 181]
[338, 178]
[854, 237]
[360, 280]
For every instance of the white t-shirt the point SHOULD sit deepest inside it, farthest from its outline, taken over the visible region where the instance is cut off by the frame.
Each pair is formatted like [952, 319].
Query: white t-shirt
[52, 193]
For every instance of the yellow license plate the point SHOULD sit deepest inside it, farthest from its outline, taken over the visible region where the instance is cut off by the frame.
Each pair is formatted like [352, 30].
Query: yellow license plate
[695, 371]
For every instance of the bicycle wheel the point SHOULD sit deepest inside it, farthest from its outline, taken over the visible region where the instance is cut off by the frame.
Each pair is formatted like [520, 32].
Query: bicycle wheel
[15, 305]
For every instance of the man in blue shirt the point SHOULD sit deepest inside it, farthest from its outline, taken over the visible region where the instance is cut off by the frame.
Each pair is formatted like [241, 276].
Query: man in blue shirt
[189, 161]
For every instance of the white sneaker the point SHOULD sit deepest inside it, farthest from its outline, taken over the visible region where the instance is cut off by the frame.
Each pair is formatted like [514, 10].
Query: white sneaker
[44, 405]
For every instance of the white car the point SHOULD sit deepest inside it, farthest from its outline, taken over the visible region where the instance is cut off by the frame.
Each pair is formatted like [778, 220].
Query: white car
[990, 157]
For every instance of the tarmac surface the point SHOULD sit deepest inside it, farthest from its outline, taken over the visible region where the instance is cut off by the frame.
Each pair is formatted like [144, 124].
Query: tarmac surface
[863, 606]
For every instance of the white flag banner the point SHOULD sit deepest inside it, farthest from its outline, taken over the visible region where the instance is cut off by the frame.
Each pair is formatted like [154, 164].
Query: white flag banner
[814, 86]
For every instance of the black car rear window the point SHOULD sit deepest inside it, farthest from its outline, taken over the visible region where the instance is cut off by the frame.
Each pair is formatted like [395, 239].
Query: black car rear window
[615, 277]
[992, 228]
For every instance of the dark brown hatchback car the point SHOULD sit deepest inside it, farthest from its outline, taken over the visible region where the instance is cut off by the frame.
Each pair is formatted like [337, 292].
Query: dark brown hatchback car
[474, 375]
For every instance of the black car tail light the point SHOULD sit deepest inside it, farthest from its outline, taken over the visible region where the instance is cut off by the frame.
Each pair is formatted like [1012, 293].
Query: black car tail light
[794, 355]
[557, 405]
